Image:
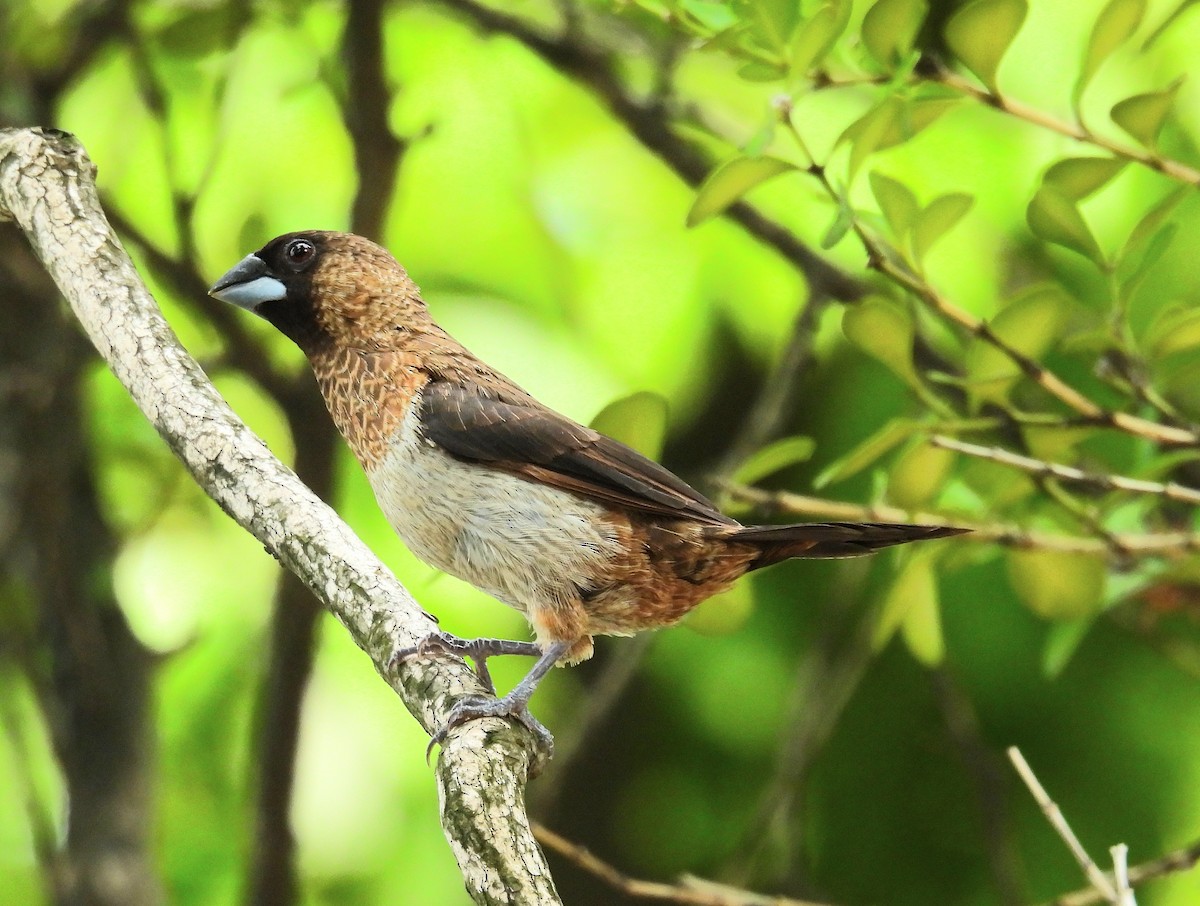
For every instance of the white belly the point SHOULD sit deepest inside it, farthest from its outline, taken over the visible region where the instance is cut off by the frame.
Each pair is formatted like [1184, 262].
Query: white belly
[527, 544]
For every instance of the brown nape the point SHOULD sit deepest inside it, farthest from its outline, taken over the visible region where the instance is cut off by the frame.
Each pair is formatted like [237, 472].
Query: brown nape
[361, 296]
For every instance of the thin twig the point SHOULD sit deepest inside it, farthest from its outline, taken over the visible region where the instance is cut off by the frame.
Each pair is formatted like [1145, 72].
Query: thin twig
[690, 890]
[1170, 490]
[930, 71]
[1098, 879]
[1172, 863]
[1151, 160]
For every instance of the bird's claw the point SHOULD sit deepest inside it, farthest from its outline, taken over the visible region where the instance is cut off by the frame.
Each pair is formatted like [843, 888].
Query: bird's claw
[472, 707]
[447, 643]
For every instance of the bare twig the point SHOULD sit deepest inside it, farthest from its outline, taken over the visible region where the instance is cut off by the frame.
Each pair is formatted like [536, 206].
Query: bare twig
[1098, 879]
[1152, 160]
[1172, 863]
[1169, 490]
[931, 71]
[690, 890]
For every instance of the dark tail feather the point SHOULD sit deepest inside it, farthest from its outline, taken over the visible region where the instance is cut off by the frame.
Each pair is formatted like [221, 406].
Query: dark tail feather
[833, 539]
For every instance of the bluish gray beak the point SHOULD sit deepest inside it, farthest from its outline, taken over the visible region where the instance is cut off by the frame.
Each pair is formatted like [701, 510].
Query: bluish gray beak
[248, 284]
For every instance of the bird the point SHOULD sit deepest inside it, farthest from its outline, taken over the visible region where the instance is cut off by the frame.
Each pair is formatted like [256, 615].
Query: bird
[579, 532]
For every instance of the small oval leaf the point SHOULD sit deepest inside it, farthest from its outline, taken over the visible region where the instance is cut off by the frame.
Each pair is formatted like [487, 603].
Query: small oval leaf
[730, 181]
[773, 457]
[1055, 218]
[896, 201]
[638, 420]
[890, 27]
[813, 40]
[1062, 641]
[918, 474]
[911, 604]
[1148, 226]
[1057, 585]
[1116, 24]
[1143, 115]
[1030, 323]
[884, 330]
[866, 453]
[1078, 177]
[938, 219]
[891, 122]
[980, 34]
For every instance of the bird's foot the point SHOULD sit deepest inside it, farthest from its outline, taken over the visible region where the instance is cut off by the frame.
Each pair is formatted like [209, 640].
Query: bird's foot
[472, 707]
[478, 650]
[514, 705]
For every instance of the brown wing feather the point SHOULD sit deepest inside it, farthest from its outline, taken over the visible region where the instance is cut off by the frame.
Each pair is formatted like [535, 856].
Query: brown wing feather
[519, 435]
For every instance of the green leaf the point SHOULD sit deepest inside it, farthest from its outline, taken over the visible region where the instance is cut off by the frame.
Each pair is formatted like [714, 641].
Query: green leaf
[1076, 178]
[843, 220]
[762, 72]
[1054, 218]
[1062, 641]
[922, 627]
[1175, 329]
[896, 201]
[730, 181]
[1030, 323]
[712, 14]
[1171, 19]
[1148, 226]
[868, 132]
[638, 420]
[911, 604]
[1155, 249]
[761, 139]
[1057, 585]
[1143, 115]
[866, 453]
[773, 457]
[893, 121]
[884, 330]
[812, 40]
[1116, 24]
[938, 219]
[890, 27]
[980, 34]
[918, 475]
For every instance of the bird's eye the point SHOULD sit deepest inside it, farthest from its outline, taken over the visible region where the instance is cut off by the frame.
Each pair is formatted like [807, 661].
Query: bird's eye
[299, 252]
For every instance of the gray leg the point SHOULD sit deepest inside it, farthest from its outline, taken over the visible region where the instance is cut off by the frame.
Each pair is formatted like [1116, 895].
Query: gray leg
[514, 705]
[478, 650]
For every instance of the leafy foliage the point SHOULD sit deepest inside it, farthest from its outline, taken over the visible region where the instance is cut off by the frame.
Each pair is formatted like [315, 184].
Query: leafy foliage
[993, 271]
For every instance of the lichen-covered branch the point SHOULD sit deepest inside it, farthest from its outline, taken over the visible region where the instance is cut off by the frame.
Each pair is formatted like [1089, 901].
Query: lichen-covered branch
[47, 187]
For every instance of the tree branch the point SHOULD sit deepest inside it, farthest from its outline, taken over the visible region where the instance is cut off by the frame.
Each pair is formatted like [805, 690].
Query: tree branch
[47, 186]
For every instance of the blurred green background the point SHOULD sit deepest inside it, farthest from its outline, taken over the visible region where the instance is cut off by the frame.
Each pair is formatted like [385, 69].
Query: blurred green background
[831, 730]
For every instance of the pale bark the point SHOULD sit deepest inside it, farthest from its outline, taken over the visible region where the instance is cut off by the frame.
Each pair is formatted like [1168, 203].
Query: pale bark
[47, 187]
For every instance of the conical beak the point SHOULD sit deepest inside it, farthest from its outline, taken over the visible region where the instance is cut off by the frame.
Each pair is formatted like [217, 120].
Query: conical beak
[248, 284]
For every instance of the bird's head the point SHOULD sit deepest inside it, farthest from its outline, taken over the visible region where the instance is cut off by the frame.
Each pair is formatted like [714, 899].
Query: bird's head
[323, 287]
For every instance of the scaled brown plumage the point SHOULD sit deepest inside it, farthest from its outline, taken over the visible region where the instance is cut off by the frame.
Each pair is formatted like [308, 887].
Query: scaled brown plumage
[582, 534]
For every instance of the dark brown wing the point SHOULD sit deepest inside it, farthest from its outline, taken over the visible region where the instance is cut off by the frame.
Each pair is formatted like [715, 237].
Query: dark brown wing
[521, 436]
